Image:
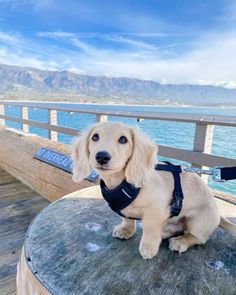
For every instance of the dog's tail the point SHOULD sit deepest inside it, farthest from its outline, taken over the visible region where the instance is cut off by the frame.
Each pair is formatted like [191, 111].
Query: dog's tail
[228, 225]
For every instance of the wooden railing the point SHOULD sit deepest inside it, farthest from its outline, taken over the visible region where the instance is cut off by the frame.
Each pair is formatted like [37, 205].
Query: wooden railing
[200, 155]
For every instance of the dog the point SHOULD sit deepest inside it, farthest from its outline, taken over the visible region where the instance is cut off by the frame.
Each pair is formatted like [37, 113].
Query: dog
[117, 152]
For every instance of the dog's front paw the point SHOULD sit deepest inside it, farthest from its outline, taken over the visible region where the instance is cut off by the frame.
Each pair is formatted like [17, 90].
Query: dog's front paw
[148, 250]
[178, 244]
[122, 232]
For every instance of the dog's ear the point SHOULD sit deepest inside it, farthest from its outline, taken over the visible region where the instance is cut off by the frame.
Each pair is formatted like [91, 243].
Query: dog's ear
[80, 156]
[142, 160]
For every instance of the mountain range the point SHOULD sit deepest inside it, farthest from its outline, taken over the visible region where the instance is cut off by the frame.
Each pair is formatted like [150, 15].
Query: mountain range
[31, 84]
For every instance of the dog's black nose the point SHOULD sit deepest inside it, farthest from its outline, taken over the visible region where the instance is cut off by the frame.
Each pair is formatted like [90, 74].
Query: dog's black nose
[103, 157]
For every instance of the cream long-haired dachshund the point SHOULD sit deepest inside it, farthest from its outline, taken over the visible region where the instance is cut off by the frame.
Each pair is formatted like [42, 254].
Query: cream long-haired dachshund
[117, 152]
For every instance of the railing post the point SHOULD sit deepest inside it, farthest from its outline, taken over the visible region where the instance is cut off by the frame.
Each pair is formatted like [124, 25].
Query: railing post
[101, 118]
[2, 112]
[24, 115]
[203, 142]
[52, 120]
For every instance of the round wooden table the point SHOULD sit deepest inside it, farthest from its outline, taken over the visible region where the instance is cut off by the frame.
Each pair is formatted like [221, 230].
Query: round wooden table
[69, 249]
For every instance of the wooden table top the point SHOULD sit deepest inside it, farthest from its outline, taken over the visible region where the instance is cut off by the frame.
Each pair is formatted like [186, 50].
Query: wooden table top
[70, 249]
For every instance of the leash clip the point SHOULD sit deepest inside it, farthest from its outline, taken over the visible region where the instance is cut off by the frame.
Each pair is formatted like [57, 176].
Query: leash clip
[216, 174]
[187, 168]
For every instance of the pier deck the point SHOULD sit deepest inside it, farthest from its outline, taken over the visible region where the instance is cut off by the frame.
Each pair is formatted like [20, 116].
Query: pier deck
[18, 206]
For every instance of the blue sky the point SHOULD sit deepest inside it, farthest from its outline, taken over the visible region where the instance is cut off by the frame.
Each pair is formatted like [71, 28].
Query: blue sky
[169, 41]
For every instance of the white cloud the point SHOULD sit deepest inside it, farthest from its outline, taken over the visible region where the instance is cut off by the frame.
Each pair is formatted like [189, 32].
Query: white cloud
[124, 40]
[76, 39]
[226, 84]
[56, 34]
[17, 50]
[212, 60]
[10, 38]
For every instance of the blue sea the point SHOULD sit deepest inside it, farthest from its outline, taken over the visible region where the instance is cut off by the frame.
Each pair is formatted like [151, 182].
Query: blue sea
[163, 132]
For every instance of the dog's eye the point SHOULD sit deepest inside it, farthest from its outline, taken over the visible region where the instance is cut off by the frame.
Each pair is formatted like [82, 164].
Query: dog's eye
[122, 140]
[95, 137]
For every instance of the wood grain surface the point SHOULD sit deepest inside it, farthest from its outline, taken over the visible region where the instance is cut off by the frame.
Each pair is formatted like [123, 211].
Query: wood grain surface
[17, 159]
[18, 206]
[70, 250]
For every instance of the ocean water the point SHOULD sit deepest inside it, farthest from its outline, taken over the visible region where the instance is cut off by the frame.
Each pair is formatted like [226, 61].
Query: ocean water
[174, 134]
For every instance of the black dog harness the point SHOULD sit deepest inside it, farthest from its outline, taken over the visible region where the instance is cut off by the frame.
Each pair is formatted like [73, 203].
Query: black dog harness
[120, 197]
[124, 194]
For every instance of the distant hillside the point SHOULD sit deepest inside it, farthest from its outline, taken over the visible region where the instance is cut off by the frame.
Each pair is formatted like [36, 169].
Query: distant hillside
[29, 83]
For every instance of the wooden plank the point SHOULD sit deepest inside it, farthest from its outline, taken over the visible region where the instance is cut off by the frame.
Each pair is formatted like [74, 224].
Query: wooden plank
[47, 180]
[6, 178]
[197, 158]
[19, 204]
[8, 286]
[24, 115]
[8, 263]
[13, 187]
[47, 126]
[203, 143]
[15, 216]
[13, 211]
[52, 120]
[203, 138]
[101, 118]
[75, 107]
[2, 113]
[225, 197]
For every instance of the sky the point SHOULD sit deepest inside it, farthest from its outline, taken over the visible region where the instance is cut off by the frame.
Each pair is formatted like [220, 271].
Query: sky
[168, 41]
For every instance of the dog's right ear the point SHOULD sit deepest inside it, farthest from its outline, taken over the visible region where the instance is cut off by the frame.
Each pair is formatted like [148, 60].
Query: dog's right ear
[80, 157]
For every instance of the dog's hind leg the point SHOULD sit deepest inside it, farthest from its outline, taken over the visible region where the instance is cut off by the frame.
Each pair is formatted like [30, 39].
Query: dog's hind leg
[173, 229]
[198, 229]
[182, 243]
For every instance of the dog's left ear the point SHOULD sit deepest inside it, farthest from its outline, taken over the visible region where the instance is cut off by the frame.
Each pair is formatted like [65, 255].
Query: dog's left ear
[143, 159]
[80, 156]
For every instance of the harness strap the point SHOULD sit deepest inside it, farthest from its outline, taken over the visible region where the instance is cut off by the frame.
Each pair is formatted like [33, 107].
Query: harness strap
[178, 196]
[125, 193]
[177, 201]
[169, 167]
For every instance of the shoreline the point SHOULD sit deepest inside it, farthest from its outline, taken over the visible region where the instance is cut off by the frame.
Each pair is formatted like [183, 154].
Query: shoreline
[128, 104]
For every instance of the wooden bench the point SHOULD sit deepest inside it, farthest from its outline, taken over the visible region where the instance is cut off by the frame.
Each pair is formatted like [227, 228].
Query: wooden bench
[69, 249]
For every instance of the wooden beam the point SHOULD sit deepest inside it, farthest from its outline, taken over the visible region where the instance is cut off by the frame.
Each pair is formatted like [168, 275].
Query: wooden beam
[60, 129]
[101, 118]
[81, 108]
[52, 120]
[17, 159]
[203, 143]
[197, 158]
[2, 113]
[24, 115]
[203, 138]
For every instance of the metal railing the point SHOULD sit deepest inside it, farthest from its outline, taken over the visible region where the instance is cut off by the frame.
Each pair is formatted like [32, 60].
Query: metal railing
[200, 155]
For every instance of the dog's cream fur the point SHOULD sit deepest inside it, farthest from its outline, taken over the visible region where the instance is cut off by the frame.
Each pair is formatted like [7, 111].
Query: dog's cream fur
[135, 161]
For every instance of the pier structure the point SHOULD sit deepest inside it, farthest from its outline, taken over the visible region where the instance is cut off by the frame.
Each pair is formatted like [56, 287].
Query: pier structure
[28, 185]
